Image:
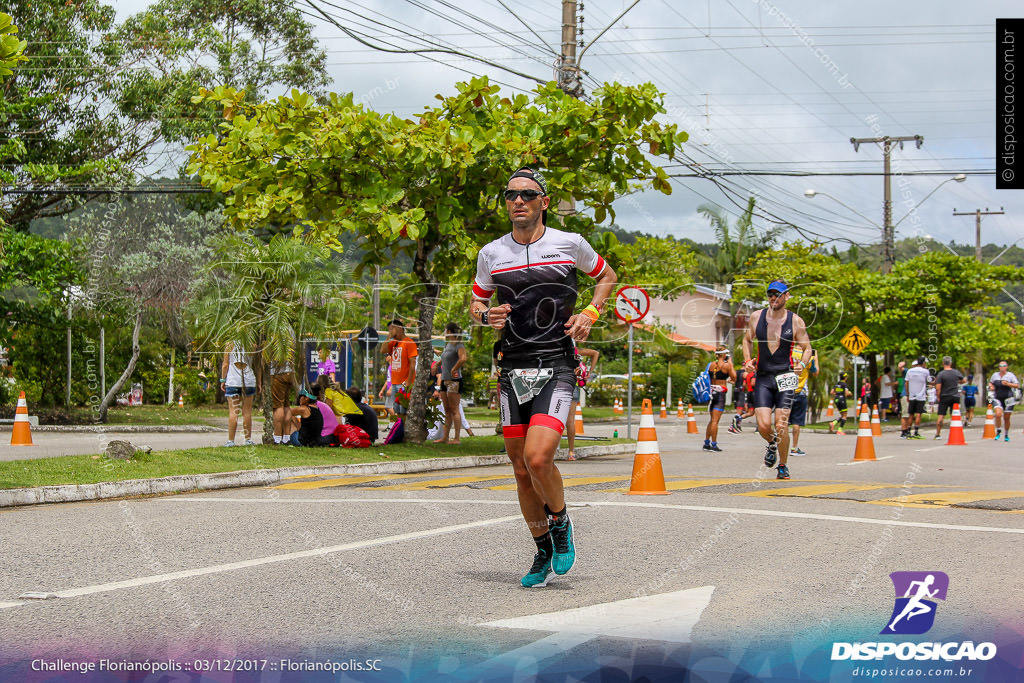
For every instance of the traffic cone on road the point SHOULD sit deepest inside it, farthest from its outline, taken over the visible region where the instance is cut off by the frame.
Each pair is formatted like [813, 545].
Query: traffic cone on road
[876, 423]
[956, 429]
[664, 413]
[857, 409]
[579, 420]
[648, 478]
[680, 413]
[21, 435]
[691, 421]
[865, 448]
[617, 408]
[831, 409]
[181, 401]
[990, 424]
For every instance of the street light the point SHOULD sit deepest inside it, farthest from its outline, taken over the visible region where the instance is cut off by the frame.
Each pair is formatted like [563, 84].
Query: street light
[888, 234]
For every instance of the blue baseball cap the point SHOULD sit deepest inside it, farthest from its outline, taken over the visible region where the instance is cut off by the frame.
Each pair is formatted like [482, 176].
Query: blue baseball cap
[779, 286]
[307, 394]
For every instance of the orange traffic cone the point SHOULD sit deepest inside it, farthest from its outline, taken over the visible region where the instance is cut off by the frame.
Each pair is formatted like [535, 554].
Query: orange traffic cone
[831, 411]
[876, 423]
[691, 421]
[21, 435]
[990, 424]
[680, 413]
[956, 429]
[664, 413]
[648, 478]
[857, 410]
[181, 401]
[579, 420]
[865, 448]
[617, 408]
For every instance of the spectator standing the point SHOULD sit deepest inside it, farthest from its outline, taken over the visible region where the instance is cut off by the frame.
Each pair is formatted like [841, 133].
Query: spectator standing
[885, 392]
[582, 372]
[453, 358]
[326, 364]
[901, 393]
[947, 386]
[798, 415]
[282, 380]
[401, 352]
[240, 385]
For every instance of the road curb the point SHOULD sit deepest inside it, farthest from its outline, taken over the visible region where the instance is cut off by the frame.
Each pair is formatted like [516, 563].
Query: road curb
[75, 493]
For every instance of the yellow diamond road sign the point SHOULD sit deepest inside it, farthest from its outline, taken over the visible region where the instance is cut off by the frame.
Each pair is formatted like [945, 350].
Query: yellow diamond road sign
[855, 340]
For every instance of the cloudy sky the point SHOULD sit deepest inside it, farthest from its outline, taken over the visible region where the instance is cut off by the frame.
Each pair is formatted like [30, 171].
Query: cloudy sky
[763, 87]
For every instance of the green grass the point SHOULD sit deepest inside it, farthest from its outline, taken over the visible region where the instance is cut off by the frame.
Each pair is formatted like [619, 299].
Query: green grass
[90, 469]
[168, 415]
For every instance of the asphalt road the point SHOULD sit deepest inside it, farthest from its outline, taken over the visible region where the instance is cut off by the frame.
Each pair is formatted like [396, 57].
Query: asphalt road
[740, 571]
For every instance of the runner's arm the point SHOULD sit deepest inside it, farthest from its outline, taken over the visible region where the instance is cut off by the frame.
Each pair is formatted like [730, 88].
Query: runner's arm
[801, 339]
[578, 325]
[748, 346]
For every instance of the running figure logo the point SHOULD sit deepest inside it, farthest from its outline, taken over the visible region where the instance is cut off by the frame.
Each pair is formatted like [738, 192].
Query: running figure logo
[914, 612]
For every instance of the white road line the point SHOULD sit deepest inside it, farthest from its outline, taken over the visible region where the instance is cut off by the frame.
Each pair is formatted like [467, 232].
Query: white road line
[667, 506]
[925, 450]
[315, 552]
[5, 605]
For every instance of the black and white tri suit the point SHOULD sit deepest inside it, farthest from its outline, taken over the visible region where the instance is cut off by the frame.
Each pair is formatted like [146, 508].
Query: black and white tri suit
[771, 364]
[538, 281]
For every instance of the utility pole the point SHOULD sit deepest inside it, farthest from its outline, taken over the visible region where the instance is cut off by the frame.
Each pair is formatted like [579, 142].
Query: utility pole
[983, 385]
[568, 70]
[977, 225]
[888, 250]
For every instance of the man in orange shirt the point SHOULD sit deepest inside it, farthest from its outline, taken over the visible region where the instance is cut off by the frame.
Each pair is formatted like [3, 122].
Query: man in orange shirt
[402, 353]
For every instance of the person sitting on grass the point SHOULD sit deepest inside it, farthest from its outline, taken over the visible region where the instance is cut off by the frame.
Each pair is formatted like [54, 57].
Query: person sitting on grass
[367, 419]
[308, 421]
[327, 436]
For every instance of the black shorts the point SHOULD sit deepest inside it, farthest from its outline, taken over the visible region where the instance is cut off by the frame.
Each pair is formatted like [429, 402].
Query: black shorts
[767, 394]
[946, 404]
[717, 401]
[915, 407]
[741, 399]
[449, 386]
[841, 404]
[549, 408]
[1001, 403]
[970, 402]
[798, 413]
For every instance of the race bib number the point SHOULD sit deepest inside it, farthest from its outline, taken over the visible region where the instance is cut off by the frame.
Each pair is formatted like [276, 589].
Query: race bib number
[787, 381]
[528, 382]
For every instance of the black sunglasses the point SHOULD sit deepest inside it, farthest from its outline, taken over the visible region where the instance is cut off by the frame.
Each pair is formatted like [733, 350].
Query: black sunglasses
[773, 294]
[527, 195]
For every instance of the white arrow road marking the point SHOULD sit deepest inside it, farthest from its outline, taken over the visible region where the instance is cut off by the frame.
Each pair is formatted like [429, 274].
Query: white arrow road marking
[668, 617]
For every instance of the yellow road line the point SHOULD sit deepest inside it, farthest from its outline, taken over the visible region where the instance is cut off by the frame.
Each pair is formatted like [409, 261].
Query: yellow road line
[946, 498]
[568, 482]
[689, 484]
[342, 481]
[438, 483]
[818, 490]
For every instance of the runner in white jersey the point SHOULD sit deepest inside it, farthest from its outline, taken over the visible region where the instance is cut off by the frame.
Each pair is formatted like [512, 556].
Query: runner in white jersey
[532, 271]
[1001, 385]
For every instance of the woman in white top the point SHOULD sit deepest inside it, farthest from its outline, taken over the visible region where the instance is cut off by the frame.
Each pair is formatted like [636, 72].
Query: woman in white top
[240, 385]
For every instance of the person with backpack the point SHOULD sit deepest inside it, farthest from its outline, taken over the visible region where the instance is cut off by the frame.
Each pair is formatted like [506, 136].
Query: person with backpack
[721, 373]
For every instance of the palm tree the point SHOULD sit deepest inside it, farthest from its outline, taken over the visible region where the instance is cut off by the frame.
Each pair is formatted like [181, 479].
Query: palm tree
[736, 248]
[264, 297]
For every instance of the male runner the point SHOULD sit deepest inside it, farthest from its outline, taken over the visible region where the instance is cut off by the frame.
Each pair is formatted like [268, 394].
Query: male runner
[947, 384]
[970, 392]
[840, 392]
[778, 333]
[533, 271]
[1001, 385]
[918, 379]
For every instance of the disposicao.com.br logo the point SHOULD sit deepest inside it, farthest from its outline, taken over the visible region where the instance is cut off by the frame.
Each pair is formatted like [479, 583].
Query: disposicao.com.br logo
[914, 614]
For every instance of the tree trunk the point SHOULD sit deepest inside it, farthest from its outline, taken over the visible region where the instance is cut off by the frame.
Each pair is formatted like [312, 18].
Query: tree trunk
[263, 370]
[416, 425]
[101, 413]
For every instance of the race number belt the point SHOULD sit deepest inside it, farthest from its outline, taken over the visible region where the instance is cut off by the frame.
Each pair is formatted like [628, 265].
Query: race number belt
[528, 382]
[787, 381]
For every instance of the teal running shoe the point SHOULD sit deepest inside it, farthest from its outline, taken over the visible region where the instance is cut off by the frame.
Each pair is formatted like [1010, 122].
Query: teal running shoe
[539, 573]
[565, 550]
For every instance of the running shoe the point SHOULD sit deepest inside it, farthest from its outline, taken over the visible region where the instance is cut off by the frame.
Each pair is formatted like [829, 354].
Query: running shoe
[771, 454]
[733, 430]
[706, 446]
[232, 443]
[915, 436]
[1006, 437]
[250, 442]
[565, 550]
[937, 436]
[998, 434]
[736, 424]
[841, 433]
[783, 472]
[832, 427]
[797, 451]
[539, 573]
[571, 456]
[713, 447]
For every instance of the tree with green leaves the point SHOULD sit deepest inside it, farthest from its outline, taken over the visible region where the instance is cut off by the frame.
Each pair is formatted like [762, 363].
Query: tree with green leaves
[266, 298]
[141, 254]
[428, 187]
[12, 48]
